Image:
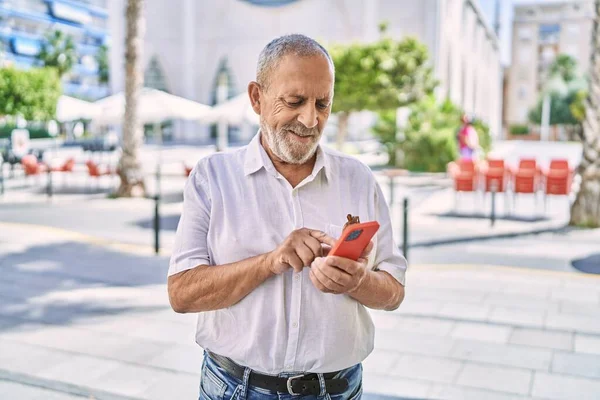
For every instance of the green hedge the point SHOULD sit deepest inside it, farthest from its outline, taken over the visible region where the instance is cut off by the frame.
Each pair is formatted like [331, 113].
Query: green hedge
[519, 129]
[35, 132]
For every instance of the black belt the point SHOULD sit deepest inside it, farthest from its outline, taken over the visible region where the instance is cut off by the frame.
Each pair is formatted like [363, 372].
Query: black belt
[295, 385]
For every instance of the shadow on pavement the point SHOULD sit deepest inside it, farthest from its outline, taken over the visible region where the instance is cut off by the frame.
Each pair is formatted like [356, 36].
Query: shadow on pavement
[53, 283]
[167, 222]
[589, 264]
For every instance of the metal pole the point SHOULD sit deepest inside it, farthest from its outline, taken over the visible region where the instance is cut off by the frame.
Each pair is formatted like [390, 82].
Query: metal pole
[49, 187]
[2, 178]
[405, 228]
[156, 224]
[494, 189]
[391, 190]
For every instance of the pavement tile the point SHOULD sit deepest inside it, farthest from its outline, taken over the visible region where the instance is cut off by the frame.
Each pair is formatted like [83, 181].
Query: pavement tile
[585, 365]
[573, 323]
[500, 379]
[182, 386]
[473, 312]
[505, 355]
[515, 301]
[380, 361]
[517, 317]
[15, 390]
[587, 344]
[78, 370]
[131, 380]
[425, 368]
[412, 306]
[446, 392]
[580, 295]
[183, 358]
[395, 386]
[569, 307]
[481, 332]
[414, 343]
[385, 320]
[559, 387]
[28, 359]
[542, 338]
[425, 325]
[448, 295]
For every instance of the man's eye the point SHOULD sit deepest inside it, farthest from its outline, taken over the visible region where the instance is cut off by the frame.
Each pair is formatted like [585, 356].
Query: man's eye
[322, 106]
[295, 103]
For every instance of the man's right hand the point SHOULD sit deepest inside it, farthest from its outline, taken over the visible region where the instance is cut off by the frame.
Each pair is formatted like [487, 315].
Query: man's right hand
[298, 250]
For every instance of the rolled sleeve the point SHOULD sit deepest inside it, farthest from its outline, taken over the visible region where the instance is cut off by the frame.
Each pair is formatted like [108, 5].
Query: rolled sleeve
[191, 244]
[387, 255]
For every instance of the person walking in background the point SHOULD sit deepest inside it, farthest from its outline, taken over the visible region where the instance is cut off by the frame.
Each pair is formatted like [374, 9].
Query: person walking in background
[468, 140]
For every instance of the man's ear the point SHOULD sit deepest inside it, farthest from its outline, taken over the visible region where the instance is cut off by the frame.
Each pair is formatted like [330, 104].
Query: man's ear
[254, 94]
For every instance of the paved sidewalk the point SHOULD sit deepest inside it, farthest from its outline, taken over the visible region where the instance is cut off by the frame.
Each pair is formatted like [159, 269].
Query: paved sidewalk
[80, 319]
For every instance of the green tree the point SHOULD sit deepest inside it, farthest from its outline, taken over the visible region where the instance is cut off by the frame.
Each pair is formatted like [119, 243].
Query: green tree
[565, 87]
[379, 76]
[586, 208]
[31, 93]
[58, 51]
[103, 67]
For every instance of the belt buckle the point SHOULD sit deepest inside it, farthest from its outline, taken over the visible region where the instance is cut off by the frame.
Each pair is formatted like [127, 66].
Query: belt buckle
[289, 384]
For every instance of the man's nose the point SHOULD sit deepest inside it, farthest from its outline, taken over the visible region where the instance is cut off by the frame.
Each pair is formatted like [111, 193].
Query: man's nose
[308, 116]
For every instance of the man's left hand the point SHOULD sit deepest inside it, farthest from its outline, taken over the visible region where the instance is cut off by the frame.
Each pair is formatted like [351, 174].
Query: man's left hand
[338, 275]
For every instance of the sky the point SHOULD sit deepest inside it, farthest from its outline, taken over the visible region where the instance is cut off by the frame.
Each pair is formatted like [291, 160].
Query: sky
[506, 12]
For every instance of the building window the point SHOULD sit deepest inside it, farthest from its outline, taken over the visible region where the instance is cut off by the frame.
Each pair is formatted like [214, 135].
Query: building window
[154, 76]
[549, 33]
[223, 86]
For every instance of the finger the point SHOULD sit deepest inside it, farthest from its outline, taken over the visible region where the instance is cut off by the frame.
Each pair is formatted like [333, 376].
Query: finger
[325, 249]
[305, 254]
[345, 264]
[368, 249]
[337, 275]
[317, 282]
[314, 245]
[322, 237]
[295, 262]
[328, 282]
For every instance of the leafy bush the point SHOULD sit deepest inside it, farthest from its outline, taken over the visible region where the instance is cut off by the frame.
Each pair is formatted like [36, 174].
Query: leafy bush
[430, 141]
[519, 129]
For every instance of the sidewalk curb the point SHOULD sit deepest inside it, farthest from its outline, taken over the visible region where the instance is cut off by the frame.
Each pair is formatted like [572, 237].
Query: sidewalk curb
[504, 268]
[65, 388]
[468, 239]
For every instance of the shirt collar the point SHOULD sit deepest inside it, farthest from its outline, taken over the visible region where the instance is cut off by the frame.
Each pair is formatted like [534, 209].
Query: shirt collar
[257, 158]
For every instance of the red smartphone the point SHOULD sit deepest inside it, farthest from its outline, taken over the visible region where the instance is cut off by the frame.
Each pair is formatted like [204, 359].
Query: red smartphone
[354, 240]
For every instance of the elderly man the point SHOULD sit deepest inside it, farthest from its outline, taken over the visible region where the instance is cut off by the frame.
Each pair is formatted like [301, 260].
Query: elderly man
[278, 317]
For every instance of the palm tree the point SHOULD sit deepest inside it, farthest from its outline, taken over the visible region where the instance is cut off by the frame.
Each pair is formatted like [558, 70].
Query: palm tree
[58, 51]
[130, 169]
[586, 209]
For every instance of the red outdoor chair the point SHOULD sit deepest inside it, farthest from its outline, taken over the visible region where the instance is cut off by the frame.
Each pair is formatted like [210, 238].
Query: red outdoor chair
[557, 179]
[96, 171]
[495, 176]
[525, 179]
[465, 176]
[32, 166]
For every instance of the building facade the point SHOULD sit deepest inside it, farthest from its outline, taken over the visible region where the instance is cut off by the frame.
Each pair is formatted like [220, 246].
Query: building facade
[191, 47]
[540, 33]
[24, 24]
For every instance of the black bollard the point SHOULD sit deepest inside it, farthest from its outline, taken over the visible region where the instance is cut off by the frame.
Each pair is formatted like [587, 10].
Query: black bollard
[156, 224]
[405, 228]
[49, 186]
[494, 189]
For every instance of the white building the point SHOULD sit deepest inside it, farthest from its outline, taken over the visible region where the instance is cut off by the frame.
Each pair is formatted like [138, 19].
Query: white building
[191, 43]
[541, 32]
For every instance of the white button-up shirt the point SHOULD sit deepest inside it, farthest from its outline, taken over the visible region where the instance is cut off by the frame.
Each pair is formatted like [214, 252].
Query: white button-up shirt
[236, 206]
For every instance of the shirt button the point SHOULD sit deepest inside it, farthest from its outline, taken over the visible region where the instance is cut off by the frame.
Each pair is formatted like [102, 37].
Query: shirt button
[297, 277]
[289, 366]
[295, 324]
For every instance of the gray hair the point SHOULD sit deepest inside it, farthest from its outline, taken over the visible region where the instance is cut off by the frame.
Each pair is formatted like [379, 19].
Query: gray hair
[271, 55]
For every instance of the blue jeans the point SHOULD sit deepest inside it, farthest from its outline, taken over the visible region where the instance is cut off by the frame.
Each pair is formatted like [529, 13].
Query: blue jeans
[216, 384]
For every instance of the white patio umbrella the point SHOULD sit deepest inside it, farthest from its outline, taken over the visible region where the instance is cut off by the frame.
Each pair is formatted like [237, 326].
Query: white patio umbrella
[155, 106]
[71, 109]
[235, 111]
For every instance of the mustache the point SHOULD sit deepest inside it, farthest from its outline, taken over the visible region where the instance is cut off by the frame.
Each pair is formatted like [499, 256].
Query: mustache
[300, 129]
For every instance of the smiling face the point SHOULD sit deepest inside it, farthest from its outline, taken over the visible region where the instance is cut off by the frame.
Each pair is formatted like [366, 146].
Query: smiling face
[295, 106]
